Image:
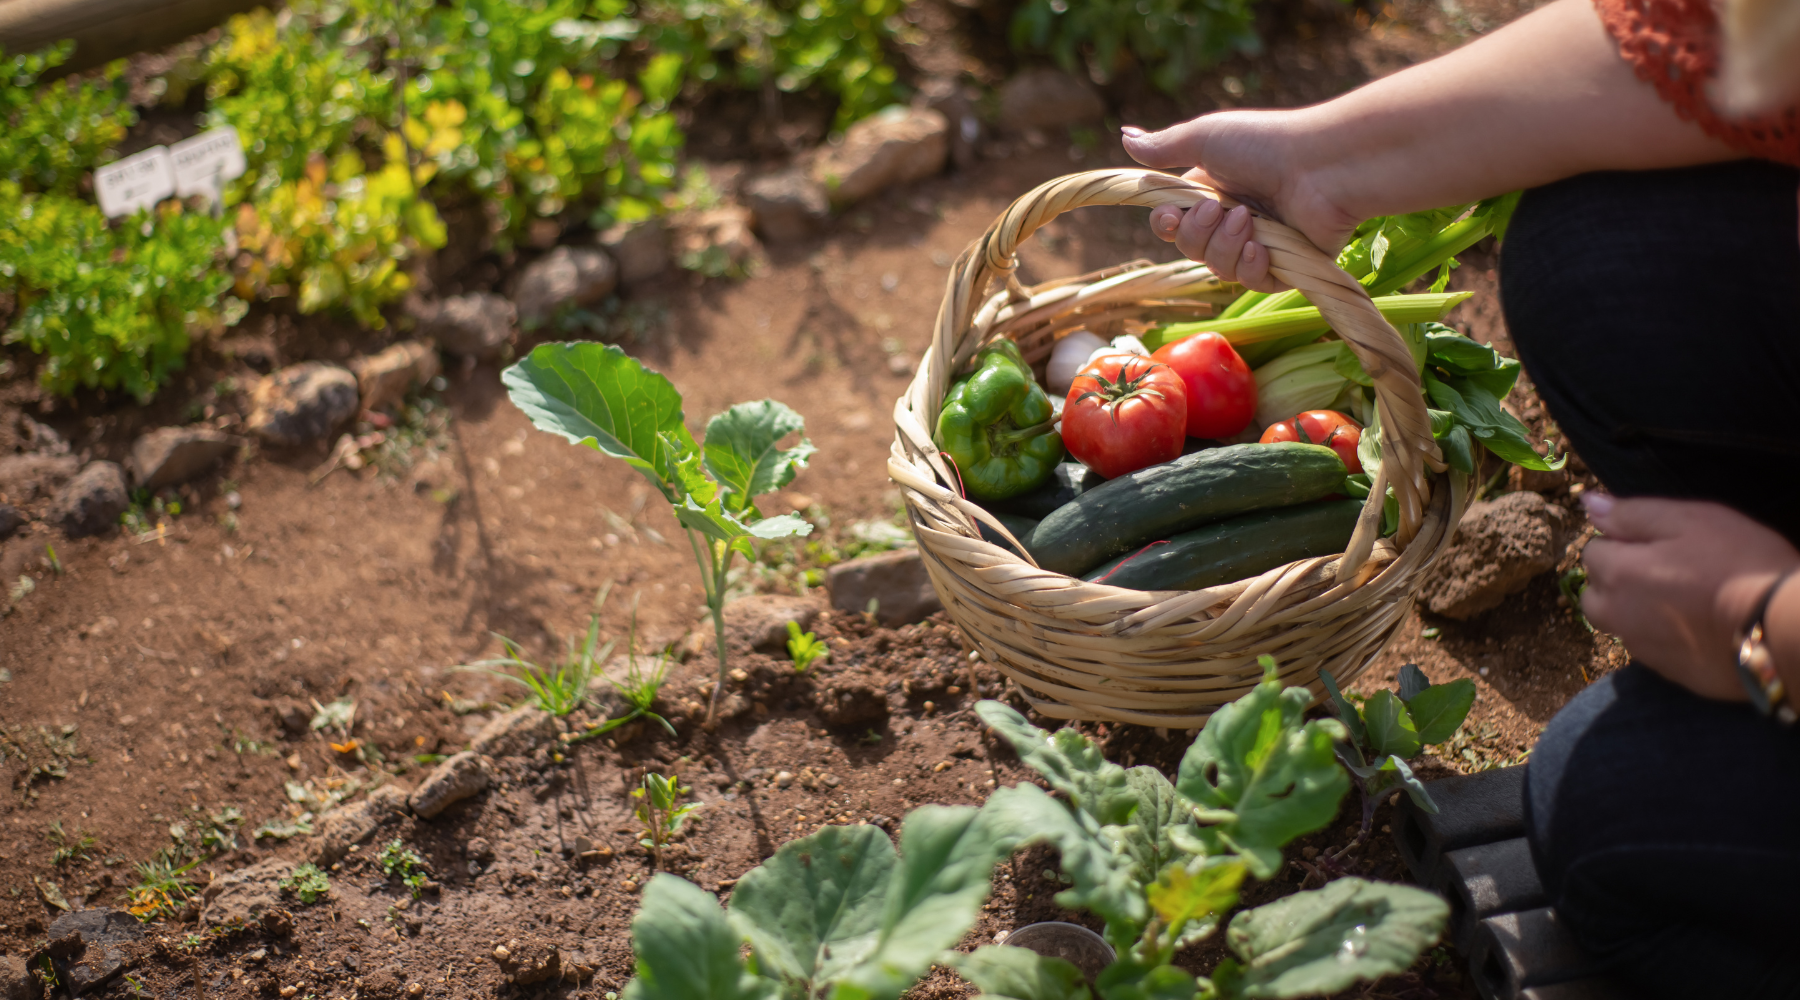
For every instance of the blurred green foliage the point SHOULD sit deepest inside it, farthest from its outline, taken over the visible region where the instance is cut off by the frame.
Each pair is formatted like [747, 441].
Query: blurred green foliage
[1171, 39]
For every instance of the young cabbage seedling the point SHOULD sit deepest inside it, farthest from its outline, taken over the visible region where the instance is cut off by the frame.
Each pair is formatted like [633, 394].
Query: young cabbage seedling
[597, 396]
[399, 861]
[1391, 727]
[308, 883]
[661, 812]
[805, 647]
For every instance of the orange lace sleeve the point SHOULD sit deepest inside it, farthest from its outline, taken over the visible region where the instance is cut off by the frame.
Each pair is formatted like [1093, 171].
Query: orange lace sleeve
[1674, 45]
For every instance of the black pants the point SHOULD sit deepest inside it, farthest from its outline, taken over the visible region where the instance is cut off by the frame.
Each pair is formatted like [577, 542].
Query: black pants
[1659, 315]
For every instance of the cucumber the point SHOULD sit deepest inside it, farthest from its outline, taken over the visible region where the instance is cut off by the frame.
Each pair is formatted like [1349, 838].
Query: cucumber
[1019, 526]
[1070, 480]
[1122, 514]
[1235, 548]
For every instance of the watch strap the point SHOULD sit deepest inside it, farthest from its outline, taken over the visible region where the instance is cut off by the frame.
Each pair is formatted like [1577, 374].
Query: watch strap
[1756, 664]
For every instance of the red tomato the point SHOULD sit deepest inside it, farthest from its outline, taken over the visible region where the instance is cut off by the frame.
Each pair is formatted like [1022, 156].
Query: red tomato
[1221, 392]
[1327, 427]
[1125, 412]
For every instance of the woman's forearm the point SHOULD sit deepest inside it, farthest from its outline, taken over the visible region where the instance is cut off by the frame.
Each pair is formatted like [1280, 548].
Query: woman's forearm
[1543, 98]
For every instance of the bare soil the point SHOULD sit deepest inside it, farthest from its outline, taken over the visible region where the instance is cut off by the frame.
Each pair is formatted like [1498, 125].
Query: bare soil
[153, 681]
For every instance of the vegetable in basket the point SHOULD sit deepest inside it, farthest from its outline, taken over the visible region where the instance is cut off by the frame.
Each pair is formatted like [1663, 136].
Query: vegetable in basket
[1235, 548]
[1221, 391]
[1327, 427]
[1122, 515]
[1125, 412]
[996, 425]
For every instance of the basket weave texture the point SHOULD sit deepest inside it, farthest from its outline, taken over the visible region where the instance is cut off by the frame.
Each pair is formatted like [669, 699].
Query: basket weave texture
[1079, 650]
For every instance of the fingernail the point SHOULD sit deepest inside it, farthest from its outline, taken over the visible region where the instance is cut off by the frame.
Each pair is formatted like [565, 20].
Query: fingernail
[1249, 252]
[1167, 222]
[1597, 504]
[1236, 220]
[1207, 212]
[1132, 132]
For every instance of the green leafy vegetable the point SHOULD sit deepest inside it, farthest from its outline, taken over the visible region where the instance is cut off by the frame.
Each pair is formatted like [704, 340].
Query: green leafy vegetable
[1391, 727]
[1006, 973]
[686, 948]
[1315, 943]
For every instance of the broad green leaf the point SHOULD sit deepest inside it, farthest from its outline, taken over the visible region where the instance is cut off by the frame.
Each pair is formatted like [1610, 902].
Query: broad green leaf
[1325, 940]
[599, 396]
[1130, 980]
[1412, 681]
[1479, 410]
[711, 520]
[1459, 449]
[1191, 898]
[1346, 712]
[742, 454]
[1461, 356]
[1348, 366]
[812, 912]
[1258, 760]
[1391, 729]
[1069, 760]
[947, 856]
[780, 526]
[1146, 840]
[1439, 710]
[686, 949]
[1396, 772]
[1006, 973]
[1026, 814]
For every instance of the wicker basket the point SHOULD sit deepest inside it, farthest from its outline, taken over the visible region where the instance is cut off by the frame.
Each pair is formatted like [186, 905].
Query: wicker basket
[1082, 650]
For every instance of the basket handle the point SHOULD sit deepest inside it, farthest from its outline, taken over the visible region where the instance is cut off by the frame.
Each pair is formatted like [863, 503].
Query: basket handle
[1407, 447]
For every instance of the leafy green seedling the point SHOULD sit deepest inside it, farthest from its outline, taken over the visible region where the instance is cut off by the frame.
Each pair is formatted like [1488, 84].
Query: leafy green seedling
[1394, 726]
[161, 889]
[805, 647]
[660, 810]
[597, 396]
[339, 715]
[1574, 584]
[396, 860]
[69, 847]
[308, 883]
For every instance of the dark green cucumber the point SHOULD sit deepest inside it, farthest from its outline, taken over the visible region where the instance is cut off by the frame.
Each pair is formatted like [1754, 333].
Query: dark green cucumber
[1019, 526]
[1122, 514]
[1070, 480]
[1235, 548]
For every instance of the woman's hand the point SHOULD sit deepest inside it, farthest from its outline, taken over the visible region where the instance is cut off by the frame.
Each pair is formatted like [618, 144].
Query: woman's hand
[1255, 156]
[1675, 579]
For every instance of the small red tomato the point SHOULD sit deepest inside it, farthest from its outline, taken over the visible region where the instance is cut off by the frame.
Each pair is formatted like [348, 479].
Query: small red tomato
[1125, 412]
[1327, 427]
[1221, 391]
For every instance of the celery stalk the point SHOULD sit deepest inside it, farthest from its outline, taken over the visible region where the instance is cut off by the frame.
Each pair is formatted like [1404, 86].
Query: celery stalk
[1291, 322]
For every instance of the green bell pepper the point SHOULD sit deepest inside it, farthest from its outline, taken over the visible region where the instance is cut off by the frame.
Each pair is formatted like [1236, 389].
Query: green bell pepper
[996, 425]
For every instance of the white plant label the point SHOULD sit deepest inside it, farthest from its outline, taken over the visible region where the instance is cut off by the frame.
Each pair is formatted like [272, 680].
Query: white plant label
[206, 161]
[138, 181]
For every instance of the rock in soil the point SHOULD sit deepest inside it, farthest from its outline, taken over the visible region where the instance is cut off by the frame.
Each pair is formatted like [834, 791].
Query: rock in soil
[91, 502]
[1048, 99]
[787, 207]
[301, 403]
[726, 228]
[244, 896]
[476, 325]
[947, 96]
[353, 823]
[1500, 545]
[897, 146]
[11, 520]
[384, 379]
[851, 698]
[89, 947]
[759, 622]
[641, 249]
[516, 733]
[897, 581]
[528, 961]
[16, 981]
[455, 779]
[24, 478]
[563, 278]
[169, 456]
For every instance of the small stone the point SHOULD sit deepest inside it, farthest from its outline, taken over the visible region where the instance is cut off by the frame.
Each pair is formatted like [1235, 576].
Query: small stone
[896, 146]
[900, 364]
[16, 980]
[515, 733]
[897, 581]
[564, 278]
[476, 325]
[479, 849]
[11, 520]
[415, 989]
[501, 953]
[852, 697]
[245, 895]
[289, 991]
[455, 779]
[784, 779]
[1500, 546]
[170, 456]
[24, 478]
[628, 885]
[301, 403]
[91, 946]
[641, 249]
[1048, 99]
[91, 502]
[384, 379]
[759, 622]
[788, 206]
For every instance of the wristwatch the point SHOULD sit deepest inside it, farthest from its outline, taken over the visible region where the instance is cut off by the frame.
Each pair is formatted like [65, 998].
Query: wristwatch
[1756, 665]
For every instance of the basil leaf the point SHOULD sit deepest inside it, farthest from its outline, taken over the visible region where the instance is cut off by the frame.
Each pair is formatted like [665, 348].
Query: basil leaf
[1480, 411]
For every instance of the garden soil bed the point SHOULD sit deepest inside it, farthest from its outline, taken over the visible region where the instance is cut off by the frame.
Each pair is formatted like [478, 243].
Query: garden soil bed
[158, 688]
